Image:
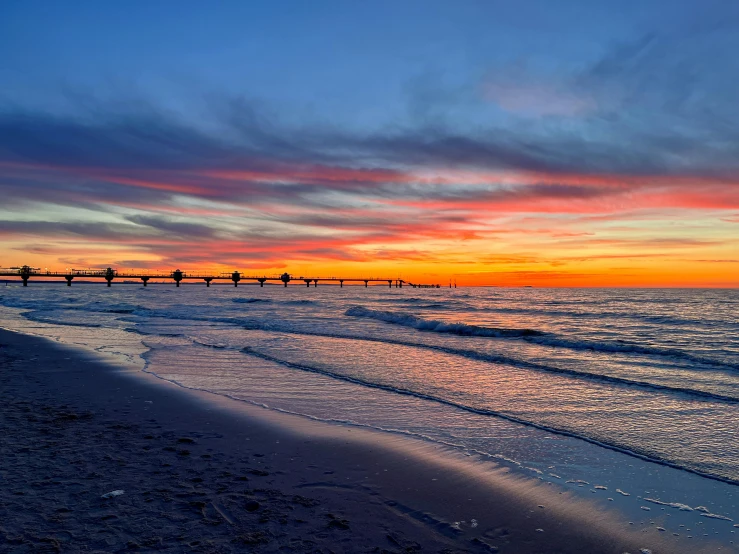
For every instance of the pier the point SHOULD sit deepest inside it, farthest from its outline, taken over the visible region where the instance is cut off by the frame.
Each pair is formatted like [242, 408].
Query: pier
[25, 273]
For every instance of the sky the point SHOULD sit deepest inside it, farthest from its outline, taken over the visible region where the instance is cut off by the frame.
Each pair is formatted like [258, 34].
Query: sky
[500, 143]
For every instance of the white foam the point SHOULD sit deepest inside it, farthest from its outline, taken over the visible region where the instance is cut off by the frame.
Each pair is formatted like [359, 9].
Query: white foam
[678, 505]
[716, 516]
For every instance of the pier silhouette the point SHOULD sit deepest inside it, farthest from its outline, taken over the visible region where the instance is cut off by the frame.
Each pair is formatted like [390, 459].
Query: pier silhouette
[24, 273]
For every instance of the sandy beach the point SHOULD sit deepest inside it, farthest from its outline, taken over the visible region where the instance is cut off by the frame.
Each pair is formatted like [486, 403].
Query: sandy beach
[202, 475]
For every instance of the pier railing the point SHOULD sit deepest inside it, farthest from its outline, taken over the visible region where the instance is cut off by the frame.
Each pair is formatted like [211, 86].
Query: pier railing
[110, 274]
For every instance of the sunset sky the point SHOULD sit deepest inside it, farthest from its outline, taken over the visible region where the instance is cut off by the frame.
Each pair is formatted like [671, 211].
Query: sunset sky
[503, 143]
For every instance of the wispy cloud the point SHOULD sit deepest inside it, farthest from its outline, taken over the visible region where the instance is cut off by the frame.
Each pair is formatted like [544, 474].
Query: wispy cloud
[645, 134]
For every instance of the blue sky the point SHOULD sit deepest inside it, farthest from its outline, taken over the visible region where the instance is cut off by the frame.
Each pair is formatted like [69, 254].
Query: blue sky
[360, 64]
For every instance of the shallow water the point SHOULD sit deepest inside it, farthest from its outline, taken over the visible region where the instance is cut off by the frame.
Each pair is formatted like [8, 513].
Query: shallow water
[565, 385]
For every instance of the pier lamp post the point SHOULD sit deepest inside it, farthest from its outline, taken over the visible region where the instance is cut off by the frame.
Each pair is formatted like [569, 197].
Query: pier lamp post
[109, 275]
[25, 274]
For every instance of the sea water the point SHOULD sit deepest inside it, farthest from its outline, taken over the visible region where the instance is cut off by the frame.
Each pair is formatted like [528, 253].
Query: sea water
[629, 397]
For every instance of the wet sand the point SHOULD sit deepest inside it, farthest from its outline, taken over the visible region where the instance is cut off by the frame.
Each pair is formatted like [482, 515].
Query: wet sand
[204, 474]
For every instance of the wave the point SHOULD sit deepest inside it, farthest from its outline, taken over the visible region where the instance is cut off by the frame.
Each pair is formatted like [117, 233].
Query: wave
[530, 335]
[45, 317]
[250, 300]
[138, 331]
[258, 324]
[114, 309]
[462, 329]
[600, 315]
[513, 362]
[427, 304]
[637, 453]
[411, 300]
[550, 308]
[624, 347]
[442, 306]
[585, 375]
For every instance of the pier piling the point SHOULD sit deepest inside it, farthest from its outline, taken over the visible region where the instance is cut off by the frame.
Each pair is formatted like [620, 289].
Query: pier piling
[109, 275]
[69, 280]
[236, 277]
[145, 280]
[177, 275]
[207, 281]
[261, 281]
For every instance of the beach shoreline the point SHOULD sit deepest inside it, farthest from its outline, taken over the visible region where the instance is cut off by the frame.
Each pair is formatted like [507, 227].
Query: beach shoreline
[208, 474]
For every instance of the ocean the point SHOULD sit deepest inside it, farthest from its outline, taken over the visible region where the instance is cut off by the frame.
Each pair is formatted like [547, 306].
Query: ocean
[628, 396]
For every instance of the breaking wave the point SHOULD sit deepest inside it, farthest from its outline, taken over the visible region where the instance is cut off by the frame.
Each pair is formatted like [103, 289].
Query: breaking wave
[250, 300]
